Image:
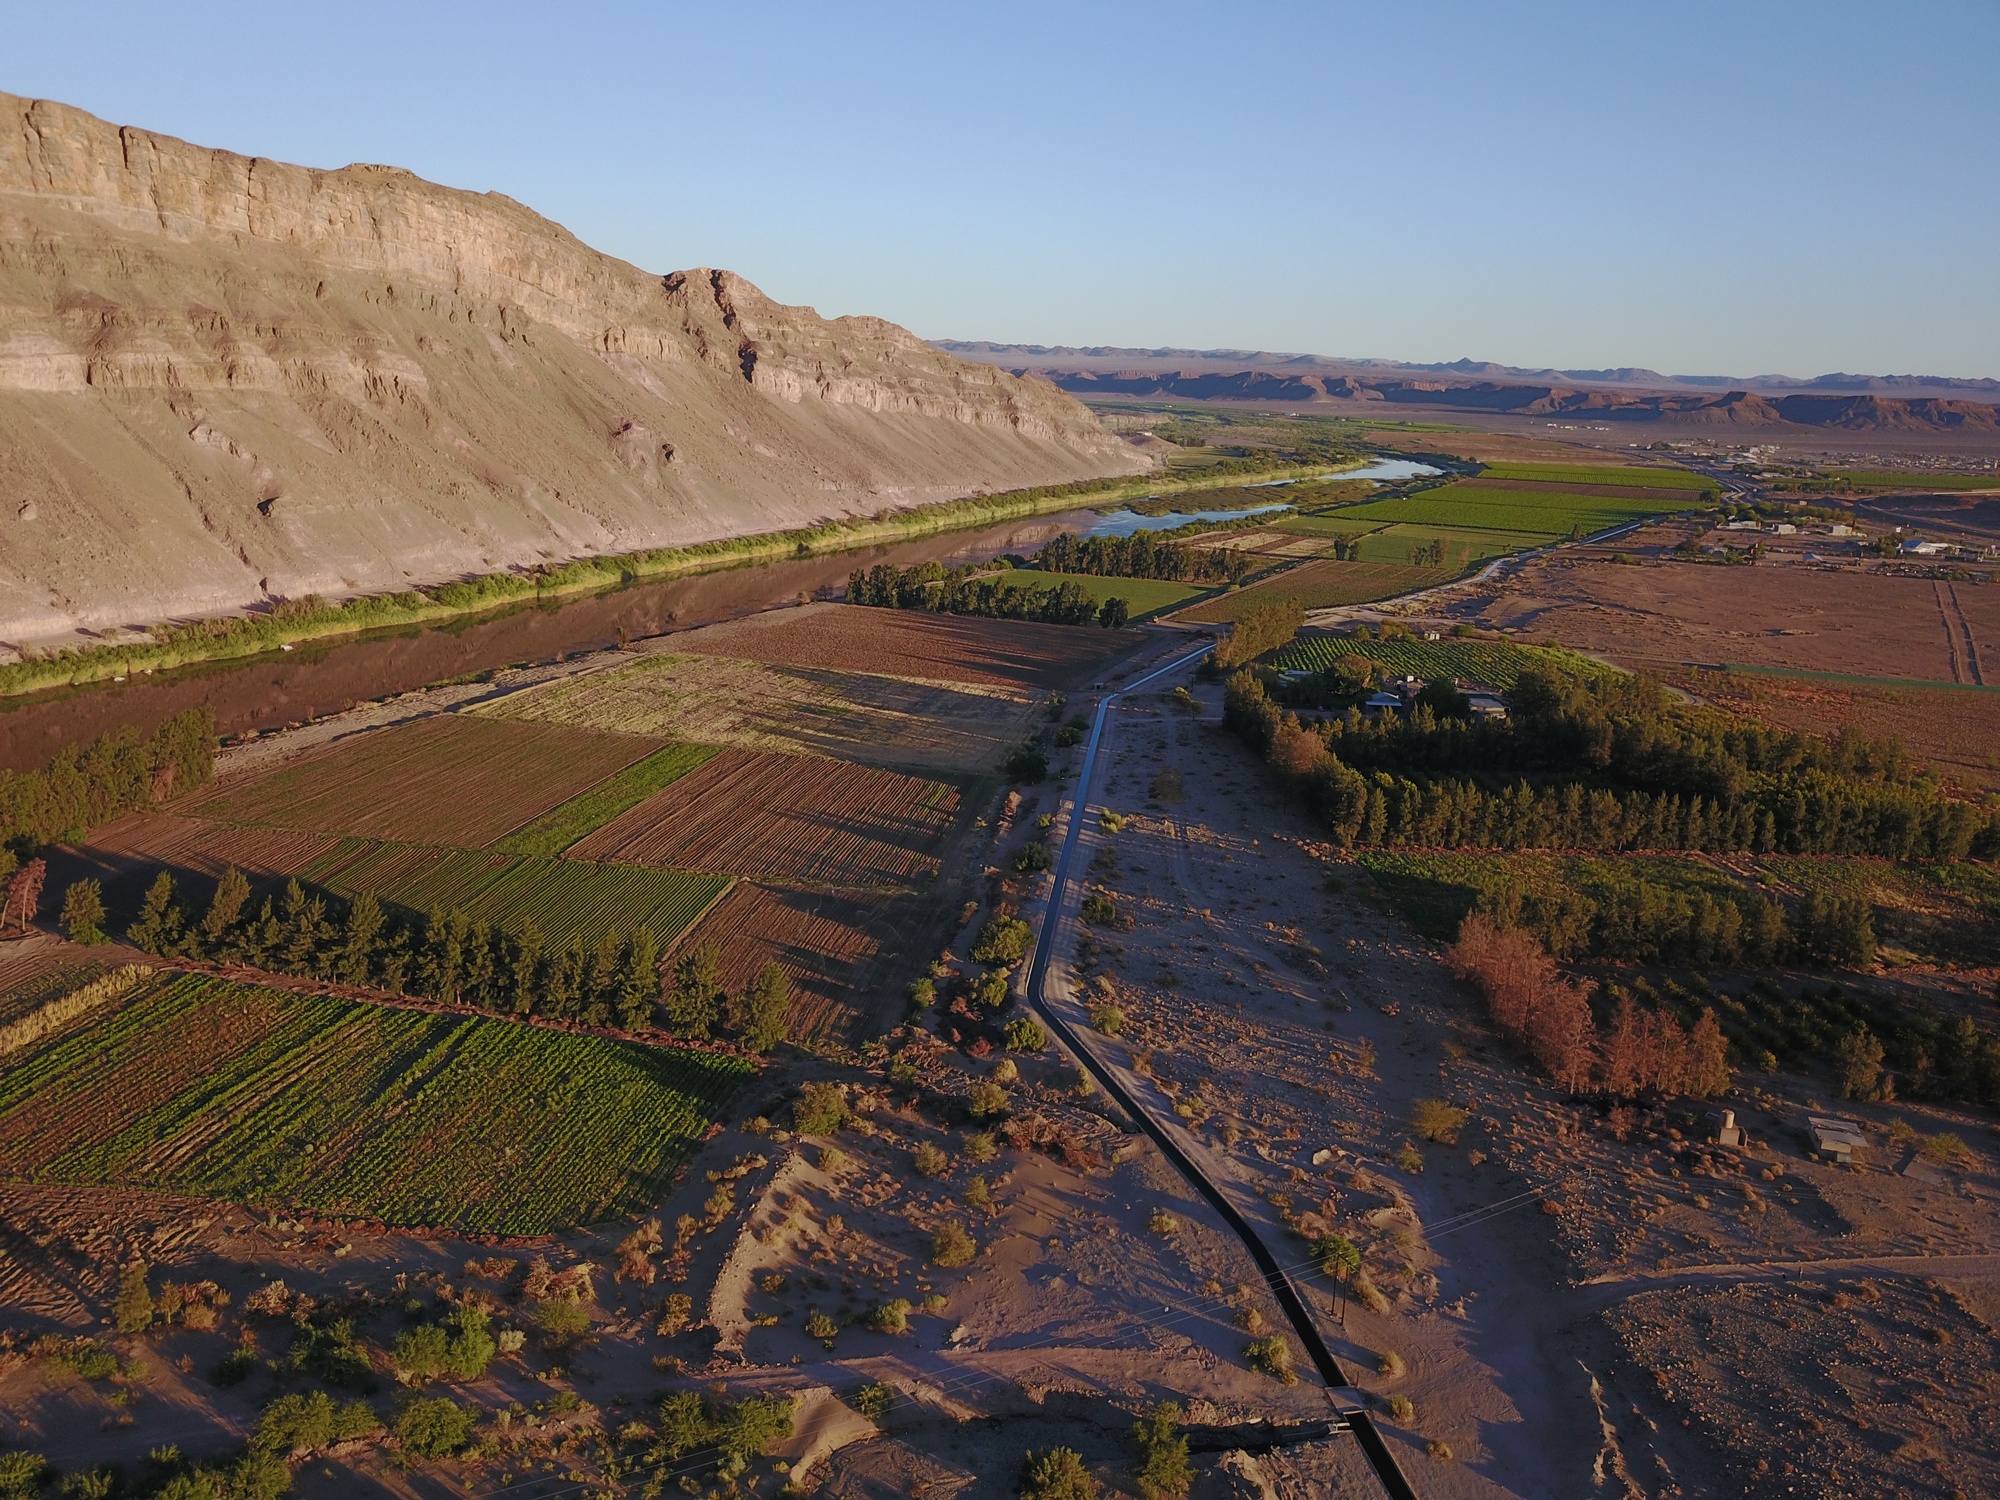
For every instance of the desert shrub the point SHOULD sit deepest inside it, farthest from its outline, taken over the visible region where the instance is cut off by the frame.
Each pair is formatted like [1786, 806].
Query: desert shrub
[951, 1246]
[988, 1098]
[1163, 1472]
[674, 1314]
[922, 992]
[1027, 764]
[1033, 856]
[1163, 1223]
[233, 1368]
[1249, 1318]
[820, 1326]
[1167, 785]
[21, 1474]
[1409, 1159]
[1435, 1120]
[461, 1347]
[1389, 1363]
[1003, 940]
[1946, 1149]
[980, 1145]
[993, 990]
[563, 1321]
[930, 1161]
[1007, 1072]
[1272, 1356]
[310, 1421]
[1058, 1474]
[820, 1109]
[874, 1400]
[1107, 1019]
[738, 1430]
[1336, 1254]
[892, 1316]
[1402, 1409]
[979, 1195]
[1025, 1034]
[1368, 1294]
[1439, 1449]
[1099, 910]
[434, 1427]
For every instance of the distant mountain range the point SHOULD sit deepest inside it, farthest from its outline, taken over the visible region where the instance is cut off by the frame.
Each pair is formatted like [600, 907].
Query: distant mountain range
[1104, 358]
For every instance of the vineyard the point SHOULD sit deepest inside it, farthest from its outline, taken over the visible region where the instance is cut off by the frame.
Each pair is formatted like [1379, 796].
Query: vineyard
[1462, 545]
[1652, 479]
[788, 818]
[1322, 585]
[558, 828]
[1549, 512]
[1495, 664]
[450, 779]
[825, 942]
[722, 700]
[208, 1087]
[568, 900]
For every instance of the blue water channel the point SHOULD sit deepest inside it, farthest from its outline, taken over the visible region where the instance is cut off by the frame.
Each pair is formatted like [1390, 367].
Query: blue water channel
[1126, 522]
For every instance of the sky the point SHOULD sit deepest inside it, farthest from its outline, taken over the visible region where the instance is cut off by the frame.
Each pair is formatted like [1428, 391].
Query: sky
[1741, 188]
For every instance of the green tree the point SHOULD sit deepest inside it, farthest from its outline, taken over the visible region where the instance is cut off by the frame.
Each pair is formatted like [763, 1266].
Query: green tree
[758, 1014]
[1857, 1064]
[639, 980]
[1058, 1474]
[694, 1003]
[1163, 1472]
[296, 1422]
[158, 926]
[83, 912]
[232, 893]
[1337, 1255]
[1002, 940]
[132, 1309]
[1113, 614]
[820, 1109]
[951, 1246]
[361, 935]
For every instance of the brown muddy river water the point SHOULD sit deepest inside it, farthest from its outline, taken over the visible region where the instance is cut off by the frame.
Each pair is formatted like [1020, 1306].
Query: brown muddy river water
[283, 688]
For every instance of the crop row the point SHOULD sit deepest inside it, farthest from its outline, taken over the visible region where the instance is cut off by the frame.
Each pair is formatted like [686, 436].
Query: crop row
[404, 1116]
[568, 900]
[585, 813]
[1496, 664]
[1322, 585]
[791, 818]
[1652, 479]
[459, 779]
[1550, 512]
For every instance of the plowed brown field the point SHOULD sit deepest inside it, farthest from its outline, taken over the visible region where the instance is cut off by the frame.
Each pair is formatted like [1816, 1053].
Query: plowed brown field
[826, 943]
[452, 779]
[791, 818]
[904, 643]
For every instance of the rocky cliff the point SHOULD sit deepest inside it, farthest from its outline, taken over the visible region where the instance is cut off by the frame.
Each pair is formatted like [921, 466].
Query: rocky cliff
[224, 379]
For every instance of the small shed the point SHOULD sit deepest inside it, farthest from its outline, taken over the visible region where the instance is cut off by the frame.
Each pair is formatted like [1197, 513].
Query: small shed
[1487, 705]
[1834, 1139]
[1382, 703]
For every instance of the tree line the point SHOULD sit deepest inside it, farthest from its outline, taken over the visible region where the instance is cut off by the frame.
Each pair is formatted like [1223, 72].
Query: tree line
[118, 772]
[957, 591]
[1142, 555]
[458, 959]
[1605, 765]
[1630, 1052]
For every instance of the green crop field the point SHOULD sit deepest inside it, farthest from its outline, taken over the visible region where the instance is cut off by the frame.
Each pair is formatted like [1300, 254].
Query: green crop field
[569, 900]
[231, 1091]
[1652, 479]
[585, 813]
[1496, 663]
[1321, 585]
[1872, 479]
[1146, 596]
[1463, 545]
[1331, 523]
[1551, 512]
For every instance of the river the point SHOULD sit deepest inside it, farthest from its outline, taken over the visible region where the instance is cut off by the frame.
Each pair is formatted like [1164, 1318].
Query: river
[284, 688]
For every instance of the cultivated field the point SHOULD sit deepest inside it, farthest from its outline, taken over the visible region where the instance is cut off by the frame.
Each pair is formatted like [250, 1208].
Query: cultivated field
[923, 648]
[719, 700]
[1875, 624]
[225, 1090]
[1496, 664]
[449, 779]
[1321, 585]
[1463, 546]
[789, 818]
[209, 848]
[1596, 474]
[559, 827]
[1145, 596]
[1550, 512]
[827, 942]
[569, 900]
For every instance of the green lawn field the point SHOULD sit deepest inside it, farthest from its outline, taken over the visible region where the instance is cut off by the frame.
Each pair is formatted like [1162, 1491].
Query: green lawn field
[1146, 596]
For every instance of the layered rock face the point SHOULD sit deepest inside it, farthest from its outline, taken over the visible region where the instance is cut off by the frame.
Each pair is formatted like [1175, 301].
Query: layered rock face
[225, 379]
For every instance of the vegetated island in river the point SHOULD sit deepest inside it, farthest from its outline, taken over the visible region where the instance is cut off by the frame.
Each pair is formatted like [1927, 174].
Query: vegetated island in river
[291, 622]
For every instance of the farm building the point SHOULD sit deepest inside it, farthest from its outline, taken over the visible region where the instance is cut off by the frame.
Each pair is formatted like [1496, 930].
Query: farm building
[1834, 1139]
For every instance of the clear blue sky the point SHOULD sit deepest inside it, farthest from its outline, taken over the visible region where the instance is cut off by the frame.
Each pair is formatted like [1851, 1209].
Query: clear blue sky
[1734, 188]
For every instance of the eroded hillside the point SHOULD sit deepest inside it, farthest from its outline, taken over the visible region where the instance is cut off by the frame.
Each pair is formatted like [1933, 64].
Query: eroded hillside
[224, 379]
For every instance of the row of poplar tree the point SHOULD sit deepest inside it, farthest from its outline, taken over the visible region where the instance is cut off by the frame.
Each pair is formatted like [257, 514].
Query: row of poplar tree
[448, 956]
